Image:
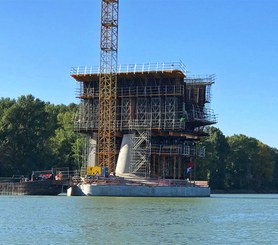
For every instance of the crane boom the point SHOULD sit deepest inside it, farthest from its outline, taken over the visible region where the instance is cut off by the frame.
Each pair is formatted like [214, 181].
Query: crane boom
[108, 84]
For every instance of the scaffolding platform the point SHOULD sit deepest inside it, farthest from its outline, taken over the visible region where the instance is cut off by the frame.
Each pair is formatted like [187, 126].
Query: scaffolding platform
[163, 109]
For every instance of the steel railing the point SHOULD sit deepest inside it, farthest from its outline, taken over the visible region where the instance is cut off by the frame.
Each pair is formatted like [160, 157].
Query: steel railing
[132, 68]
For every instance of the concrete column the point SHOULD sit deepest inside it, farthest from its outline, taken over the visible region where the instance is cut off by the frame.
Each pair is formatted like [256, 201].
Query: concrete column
[125, 153]
[92, 156]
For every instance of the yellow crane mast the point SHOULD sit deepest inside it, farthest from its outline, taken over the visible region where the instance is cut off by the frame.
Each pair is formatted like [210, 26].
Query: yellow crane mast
[108, 84]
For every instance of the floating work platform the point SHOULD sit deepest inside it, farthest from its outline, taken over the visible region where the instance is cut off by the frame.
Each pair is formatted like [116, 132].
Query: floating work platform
[46, 182]
[44, 187]
[139, 188]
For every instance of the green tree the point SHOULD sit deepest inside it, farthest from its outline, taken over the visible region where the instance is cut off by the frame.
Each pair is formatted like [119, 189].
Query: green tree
[243, 154]
[24, 130]
[263, 168]
[66, 143]
[251, 163]
[36, 135]
[274, 153]
[213, 166]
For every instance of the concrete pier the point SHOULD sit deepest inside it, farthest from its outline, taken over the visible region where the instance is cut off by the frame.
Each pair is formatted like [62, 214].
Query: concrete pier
[124, 158]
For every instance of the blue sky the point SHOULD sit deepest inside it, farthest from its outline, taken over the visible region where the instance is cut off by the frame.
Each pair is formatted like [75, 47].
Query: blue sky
[235, 39]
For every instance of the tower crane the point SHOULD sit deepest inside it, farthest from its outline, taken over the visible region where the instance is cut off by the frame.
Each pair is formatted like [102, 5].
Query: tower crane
[108, 84]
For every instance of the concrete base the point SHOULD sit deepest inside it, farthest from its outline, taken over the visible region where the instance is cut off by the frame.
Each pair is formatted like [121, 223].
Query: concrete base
[75, 191]
[140, 191]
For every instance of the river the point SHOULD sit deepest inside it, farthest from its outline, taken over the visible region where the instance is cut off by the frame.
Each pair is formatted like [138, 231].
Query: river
[219, 219]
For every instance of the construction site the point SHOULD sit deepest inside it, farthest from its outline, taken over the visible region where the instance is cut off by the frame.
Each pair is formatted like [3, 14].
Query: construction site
[140, 119]
[160, 114]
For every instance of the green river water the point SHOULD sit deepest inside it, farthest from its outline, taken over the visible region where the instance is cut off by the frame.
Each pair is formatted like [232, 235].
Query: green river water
[219, 219]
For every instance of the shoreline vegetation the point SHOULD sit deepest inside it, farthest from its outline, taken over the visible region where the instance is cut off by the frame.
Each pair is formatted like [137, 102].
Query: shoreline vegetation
[37, 135]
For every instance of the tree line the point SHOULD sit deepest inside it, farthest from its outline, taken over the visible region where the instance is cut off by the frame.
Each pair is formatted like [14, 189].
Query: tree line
[238, 162]
[37, 135]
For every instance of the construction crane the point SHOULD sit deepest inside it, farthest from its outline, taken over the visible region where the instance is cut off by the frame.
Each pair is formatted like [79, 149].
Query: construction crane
[108, 84]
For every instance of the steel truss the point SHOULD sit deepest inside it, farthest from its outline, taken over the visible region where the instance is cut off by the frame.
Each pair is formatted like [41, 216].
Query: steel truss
[108, 84]
[156, 112]
[125, 112]
[170, 112]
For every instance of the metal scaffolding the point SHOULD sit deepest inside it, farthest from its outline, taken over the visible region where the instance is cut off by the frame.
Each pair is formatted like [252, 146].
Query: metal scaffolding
[164, 110]
[141, 152]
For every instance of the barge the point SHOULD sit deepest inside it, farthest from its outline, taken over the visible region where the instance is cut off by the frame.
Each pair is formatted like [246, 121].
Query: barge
[139, 187]
[47, 182]
[36, 187]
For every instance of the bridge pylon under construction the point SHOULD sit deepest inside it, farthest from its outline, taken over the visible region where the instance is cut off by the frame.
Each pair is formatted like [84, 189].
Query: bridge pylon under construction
[159, 115]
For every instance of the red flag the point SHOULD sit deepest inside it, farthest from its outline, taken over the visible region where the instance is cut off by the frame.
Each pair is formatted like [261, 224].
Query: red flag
[189, 166]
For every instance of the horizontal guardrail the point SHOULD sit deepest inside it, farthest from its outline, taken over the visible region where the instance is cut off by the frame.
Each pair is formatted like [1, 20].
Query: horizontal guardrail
[199, 79]
[136, 91]
[131, 68]
[165, 124]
